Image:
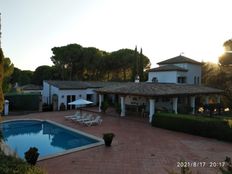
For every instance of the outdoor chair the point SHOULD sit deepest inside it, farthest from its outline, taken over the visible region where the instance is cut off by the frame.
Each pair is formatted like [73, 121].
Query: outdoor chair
[88, 117]
[72, 116]
[79, 117]
[96, 121]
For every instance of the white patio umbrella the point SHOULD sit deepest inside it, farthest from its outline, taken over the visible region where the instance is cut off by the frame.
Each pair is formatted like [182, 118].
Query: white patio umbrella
[80, 103]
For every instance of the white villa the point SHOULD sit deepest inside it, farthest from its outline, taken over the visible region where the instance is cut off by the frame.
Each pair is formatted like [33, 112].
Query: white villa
[174, 85]
[179, 69]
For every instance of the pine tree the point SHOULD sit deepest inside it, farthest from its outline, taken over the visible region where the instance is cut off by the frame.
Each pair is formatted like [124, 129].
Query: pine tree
[1, 72]
[1, 80]
[141, 62]
[135, 67]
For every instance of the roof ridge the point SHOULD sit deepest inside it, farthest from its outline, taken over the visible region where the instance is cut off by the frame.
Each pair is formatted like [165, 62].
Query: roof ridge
[179, 59]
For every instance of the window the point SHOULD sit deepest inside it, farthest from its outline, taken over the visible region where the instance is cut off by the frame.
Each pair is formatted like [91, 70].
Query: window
[181, 79]
[195, 80]
[154, 79]
[198, 80]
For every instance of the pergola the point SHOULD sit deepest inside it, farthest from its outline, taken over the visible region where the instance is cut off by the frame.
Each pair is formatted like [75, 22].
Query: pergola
[153, 91]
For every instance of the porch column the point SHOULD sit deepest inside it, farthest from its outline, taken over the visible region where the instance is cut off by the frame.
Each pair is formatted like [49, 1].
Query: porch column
[218, 99]
[206, 100]
[100, 102]
[192, 101]
[152, 109]
[174, 104]
[122, 106]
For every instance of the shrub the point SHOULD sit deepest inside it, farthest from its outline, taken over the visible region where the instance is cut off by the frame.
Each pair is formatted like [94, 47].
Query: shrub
[104, 105]
[62, 107]
[207, 127]
[117, 107]
[10, 164]
[32, 155]
[185, 109]
[46, 107]
[227, 169]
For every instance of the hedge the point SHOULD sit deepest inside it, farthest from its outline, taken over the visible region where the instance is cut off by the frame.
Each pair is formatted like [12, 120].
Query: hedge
[197, 125]
[23, 102]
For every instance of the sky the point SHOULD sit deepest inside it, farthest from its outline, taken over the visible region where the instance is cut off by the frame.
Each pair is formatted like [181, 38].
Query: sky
[162, 28]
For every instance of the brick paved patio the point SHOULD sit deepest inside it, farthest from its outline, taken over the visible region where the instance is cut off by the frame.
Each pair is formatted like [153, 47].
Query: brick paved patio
[137, 148]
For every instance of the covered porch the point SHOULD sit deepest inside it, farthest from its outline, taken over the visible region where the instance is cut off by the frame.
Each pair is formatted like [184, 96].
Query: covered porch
[147, 98]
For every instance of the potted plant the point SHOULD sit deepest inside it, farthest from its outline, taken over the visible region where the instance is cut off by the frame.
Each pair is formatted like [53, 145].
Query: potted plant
[104, 106]
[108, 137]
[31, 155]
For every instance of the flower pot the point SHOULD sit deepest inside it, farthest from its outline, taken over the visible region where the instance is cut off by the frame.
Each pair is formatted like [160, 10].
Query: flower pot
[108, 137]
[108, 142]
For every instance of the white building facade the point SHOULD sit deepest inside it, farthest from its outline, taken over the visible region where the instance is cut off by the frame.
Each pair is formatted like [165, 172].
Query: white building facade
[179, 69]
[60, 92]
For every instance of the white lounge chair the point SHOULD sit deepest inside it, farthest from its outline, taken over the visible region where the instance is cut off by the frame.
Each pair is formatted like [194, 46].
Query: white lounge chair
[96, 121]
[72, 116]
[79, 117]
[88, 117]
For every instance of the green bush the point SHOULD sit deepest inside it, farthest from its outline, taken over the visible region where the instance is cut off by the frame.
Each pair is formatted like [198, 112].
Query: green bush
[227, 169]
[117, 107]
[13, 165]
[196, 125]
[62, 107]
[104, 105]
[46, 107]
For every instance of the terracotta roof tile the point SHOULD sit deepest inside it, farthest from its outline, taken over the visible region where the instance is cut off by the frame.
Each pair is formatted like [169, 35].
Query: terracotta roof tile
[179, 59]
[158, 89]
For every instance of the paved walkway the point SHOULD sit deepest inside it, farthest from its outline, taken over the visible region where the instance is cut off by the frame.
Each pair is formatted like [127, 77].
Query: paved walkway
[137, 148]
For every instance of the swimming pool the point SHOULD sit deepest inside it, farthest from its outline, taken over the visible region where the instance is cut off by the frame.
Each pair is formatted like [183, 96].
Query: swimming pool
[51, 139]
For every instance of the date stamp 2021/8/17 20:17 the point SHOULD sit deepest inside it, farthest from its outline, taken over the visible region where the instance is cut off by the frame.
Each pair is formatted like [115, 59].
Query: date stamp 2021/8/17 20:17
[200, 164]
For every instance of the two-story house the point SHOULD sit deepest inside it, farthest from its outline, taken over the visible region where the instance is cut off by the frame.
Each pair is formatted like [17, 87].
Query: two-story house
[177, 70]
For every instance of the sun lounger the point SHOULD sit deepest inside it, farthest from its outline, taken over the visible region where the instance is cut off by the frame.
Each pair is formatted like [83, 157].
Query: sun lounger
[96, 121]
[74, 118]
[71, 116]
[86, 118]
[78, 117]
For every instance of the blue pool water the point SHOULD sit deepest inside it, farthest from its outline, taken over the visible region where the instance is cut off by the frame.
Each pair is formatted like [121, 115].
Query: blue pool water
[48, 137]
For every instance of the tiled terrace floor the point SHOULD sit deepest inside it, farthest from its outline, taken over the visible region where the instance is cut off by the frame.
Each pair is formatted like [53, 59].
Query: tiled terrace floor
[137, 148]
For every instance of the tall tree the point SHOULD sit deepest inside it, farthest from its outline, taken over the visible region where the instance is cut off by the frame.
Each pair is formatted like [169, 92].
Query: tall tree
[135, 65]
[226, 58]
[1, 80]
[80, 63]
[69, 60]
[8, 68]
[141, 65]
[21, 77]
[228, 45]
[42, 73]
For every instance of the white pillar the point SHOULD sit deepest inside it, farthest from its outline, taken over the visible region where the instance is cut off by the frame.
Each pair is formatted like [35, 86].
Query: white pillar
[192, 101]
[6, 107]
[174, 104]
[206, 100]
[122, 106]
[100, 102]
[218, 99]
[152, 109]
